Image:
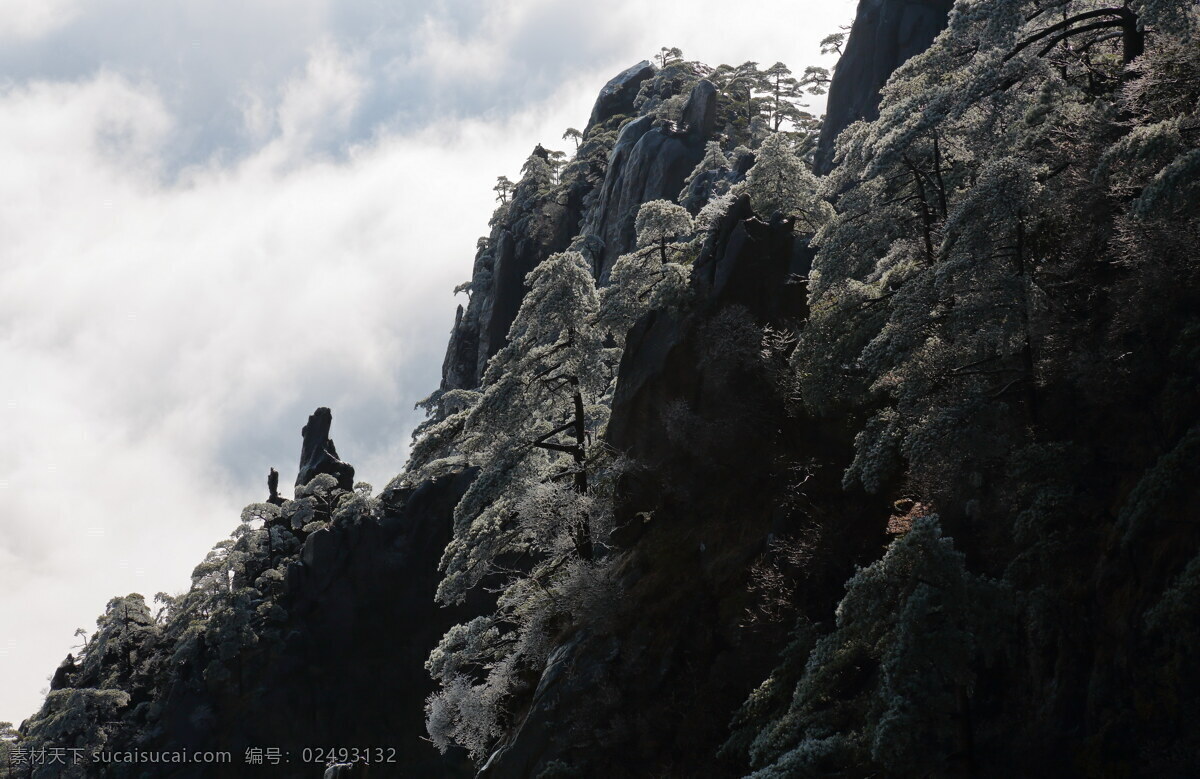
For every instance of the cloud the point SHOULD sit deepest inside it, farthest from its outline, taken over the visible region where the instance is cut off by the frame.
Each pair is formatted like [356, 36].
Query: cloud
[312, 111]
[24, 19]
[165, 341]
[218, 66]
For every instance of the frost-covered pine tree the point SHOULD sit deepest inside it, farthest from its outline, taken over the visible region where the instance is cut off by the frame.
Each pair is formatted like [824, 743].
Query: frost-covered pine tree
[958, 239]
[781, 182]
[660, 223]
[531, 431]
[785, 91]
[87, 719]
[647, 278]
[540, 407]
[889, 689]
[740, 104]
[713, 160]
[86, 712]
[503, 189]
[574, 135]
[538, 174]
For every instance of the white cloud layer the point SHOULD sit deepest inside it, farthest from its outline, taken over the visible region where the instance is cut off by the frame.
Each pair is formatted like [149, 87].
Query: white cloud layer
[194, 258]
[34, 18]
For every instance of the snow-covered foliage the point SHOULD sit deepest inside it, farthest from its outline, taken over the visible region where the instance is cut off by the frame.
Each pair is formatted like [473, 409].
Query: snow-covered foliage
[553, 375]
[950, 258]
[650, 277]
[780, 182]
[528, 518]
[112, 694]
[483, 666]
[1005, 251]
[714, 161]
[75, 719]
[1008, 238]
[713, 210]
[889, 687]
[661, 222]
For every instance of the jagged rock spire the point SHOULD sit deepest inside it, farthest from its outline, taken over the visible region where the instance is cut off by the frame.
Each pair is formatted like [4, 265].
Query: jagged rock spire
[63, 675]
[273, 488]
[319, 455]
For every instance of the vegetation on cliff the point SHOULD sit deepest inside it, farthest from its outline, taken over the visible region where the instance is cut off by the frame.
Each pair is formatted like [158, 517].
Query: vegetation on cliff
[886, 472]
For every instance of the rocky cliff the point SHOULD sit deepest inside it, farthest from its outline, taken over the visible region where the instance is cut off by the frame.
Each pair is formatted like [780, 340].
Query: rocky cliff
[650, 162]
[881, 508]
[340, 660]
[624, 160]
[653, 694]
[884, 35]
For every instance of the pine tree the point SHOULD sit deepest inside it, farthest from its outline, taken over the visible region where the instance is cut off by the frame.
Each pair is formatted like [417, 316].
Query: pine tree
[531, 431]
[647, 278]
[659, 223]
[832, 43]
[545, 384]
[784, 93]
[780, 182]
[538, 174]
[574, 135]
[740, 103]
[928, 289]
[714, 160]
[86, 719]
[667, 55]
[503, 189]
[889, 689]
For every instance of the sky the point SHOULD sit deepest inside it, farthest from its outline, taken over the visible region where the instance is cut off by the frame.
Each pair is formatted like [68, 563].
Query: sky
[217, 216]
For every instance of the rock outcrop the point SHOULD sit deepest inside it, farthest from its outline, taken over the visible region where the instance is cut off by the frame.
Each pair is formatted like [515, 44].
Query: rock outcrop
[618, 94]
[319, 455]
[885, 34]
[64, 673]
[358, 620]
[652, 693]
[650, 162]
[604, 190]
[273, 496]
[531, 228]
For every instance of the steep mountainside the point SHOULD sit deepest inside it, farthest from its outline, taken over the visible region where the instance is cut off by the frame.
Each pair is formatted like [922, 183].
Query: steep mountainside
[885, 33]
[738, 471]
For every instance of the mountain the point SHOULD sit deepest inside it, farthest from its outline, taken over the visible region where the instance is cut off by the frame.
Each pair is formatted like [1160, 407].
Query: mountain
[735, 470]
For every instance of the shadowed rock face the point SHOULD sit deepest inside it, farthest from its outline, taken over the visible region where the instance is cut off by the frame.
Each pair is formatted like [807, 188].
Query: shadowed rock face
[618, 94]
[885, 34]
[648, 163]
[460, 368]
[533, 228]
[652, 693]
[62, 675]
[360, 621]
[318, 454]
[532, 235]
